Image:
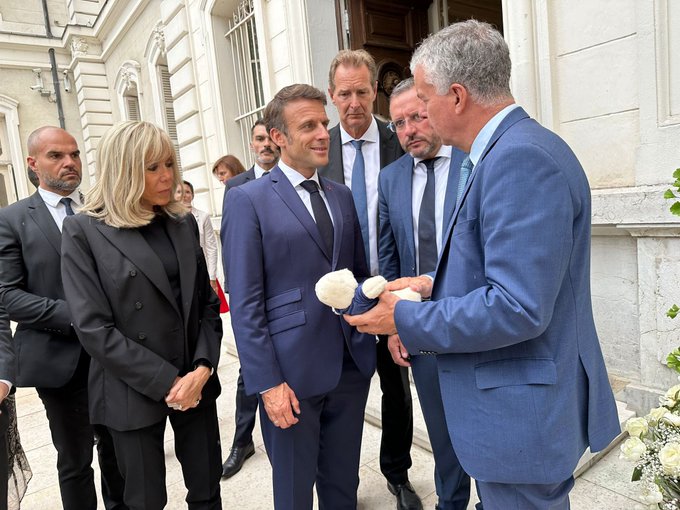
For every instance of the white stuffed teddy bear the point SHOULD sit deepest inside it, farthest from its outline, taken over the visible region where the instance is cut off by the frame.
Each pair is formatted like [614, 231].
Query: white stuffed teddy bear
[340, 291]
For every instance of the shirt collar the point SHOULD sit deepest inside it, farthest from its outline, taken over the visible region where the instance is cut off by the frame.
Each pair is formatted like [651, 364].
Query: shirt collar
[52, 199]
[371, 135]
[295, 177]
[485, 134]
[259, 171]
[443, 152]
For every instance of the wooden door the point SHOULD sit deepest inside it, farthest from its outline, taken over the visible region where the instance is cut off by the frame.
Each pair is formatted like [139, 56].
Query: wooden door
[390, 31]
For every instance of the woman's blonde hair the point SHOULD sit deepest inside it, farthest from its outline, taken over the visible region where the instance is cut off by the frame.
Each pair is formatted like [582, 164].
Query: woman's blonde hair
[123, 155]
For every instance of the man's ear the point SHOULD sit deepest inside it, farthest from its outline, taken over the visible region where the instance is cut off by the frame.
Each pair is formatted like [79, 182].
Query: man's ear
[459, 96]
[31, 162]
[330, 94]
[277, 137]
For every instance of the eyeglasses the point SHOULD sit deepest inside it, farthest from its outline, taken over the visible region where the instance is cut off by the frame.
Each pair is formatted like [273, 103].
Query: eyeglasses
[400, 124]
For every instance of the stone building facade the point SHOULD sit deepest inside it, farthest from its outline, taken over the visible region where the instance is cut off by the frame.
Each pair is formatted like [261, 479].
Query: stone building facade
[605, 75]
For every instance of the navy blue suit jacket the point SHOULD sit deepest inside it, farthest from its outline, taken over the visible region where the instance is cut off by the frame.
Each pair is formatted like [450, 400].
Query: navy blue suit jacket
[396, 245]
[521, 372]
[274, 255]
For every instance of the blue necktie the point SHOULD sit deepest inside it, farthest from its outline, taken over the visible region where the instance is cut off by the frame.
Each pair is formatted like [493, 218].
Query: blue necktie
[465, 170]
[359, 194]
[427, 230]
[67, 205]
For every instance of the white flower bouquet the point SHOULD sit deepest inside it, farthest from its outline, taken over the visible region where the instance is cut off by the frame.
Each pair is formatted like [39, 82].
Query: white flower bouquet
[654, 445]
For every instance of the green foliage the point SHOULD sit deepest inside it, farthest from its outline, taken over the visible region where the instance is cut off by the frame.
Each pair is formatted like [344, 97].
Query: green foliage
[673, 359]
[637, 474]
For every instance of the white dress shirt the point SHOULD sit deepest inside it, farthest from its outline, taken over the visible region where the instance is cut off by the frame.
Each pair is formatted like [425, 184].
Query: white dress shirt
[371, 151]
[56, 208]
[296, 178]
[207, 239]
[259, 171]
[441, 180]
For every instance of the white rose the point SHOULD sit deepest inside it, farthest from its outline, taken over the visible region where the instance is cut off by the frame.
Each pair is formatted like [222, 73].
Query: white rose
[669, 456]
[656, 414]
[672, 418]
[636, 427]
[671, 396]
[632, 449]
[651, 496]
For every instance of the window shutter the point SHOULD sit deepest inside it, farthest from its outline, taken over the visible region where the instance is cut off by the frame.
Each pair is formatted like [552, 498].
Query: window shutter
[169, 109]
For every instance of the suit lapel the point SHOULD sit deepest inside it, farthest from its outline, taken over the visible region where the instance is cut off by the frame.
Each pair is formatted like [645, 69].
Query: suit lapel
[37, 209]
[135, 248]
[284, 189]
[404, 176]
[334, 169]
[338, 220]
[388, 151]
[181, 238]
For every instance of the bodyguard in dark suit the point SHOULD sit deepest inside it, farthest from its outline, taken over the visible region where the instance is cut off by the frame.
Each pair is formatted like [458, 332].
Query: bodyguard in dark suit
[136, 281]
[310, 369]
[359, 147]
[50, 356]
[510, 318]
[417, 195]
[266, 155]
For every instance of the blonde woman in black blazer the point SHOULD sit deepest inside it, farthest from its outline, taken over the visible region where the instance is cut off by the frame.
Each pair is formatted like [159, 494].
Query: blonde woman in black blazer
[136, 282]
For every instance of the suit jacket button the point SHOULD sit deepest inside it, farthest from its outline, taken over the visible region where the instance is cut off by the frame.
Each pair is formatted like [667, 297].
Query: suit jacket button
[133, 273]
[141, 336]
[138, 305]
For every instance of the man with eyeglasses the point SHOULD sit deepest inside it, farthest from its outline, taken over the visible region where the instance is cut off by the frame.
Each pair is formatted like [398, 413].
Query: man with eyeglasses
[360, 145]
[417, 196]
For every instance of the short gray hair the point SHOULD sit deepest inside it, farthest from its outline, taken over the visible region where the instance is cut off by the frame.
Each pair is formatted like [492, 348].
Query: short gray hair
[471, 53]
[403, 86]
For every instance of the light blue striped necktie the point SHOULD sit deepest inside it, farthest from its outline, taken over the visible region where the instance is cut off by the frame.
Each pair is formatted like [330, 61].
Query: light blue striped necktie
[465, 170]
[359, 194]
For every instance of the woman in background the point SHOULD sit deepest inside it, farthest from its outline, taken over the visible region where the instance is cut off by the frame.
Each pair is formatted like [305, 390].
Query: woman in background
[137, 286]
[208, 240]
[227, 167]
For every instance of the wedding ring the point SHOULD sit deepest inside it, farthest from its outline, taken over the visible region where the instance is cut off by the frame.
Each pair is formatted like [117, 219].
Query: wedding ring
[179, 407]
[198, 401]
[276, 423]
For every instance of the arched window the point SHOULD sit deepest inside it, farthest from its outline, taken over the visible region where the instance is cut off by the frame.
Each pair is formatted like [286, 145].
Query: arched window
[127, 88]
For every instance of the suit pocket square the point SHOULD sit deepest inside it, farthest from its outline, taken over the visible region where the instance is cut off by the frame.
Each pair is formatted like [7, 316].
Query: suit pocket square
[515, 372]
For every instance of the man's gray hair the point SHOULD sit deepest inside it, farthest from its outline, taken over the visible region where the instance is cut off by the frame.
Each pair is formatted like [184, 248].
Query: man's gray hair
[471, 53]
[403, 86]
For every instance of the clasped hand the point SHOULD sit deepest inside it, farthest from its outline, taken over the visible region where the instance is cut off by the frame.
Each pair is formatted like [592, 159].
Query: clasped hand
[185, 392]
[281, 405]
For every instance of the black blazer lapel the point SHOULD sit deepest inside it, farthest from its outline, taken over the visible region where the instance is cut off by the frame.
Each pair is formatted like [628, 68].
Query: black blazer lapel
[135, 248]
[284, 189]
[42, 217]
[184, 240]
[334, 169]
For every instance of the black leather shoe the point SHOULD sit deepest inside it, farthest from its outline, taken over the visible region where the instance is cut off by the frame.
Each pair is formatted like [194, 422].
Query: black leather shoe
[407, 499]
[236, 458]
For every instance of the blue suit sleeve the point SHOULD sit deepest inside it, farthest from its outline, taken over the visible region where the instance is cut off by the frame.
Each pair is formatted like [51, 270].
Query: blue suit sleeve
[244, 261]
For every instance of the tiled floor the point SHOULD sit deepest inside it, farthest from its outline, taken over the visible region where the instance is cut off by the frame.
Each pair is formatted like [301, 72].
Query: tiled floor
[603, 487]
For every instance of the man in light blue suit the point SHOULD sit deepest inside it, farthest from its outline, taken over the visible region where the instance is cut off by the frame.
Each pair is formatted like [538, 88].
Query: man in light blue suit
[416, 198]
[510, 321]
[310, 369]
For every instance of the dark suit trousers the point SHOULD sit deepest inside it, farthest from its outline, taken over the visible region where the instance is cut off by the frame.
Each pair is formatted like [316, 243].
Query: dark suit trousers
[323, 447]
[397, 416]
[141, 458]
[246, 407]
[73, 438]
[4, 473]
